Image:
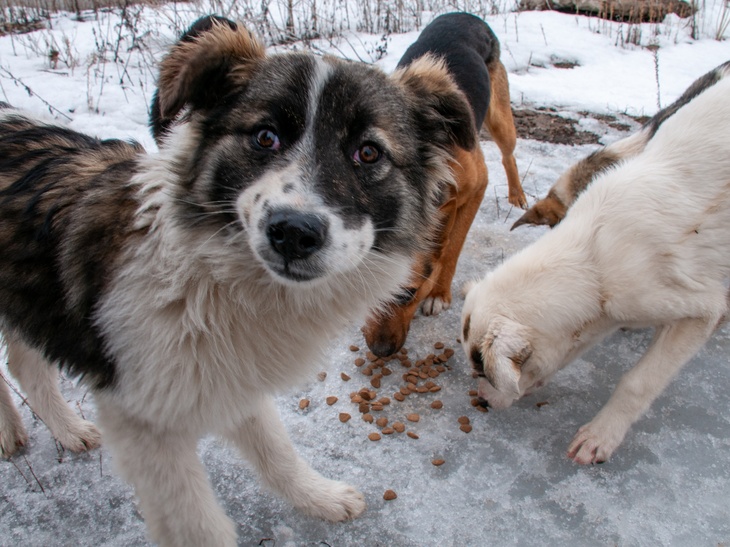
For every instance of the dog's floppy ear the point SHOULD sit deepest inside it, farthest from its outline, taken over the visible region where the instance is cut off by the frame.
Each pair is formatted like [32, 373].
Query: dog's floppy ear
[202, 70]
[505, 349]
[439, 104]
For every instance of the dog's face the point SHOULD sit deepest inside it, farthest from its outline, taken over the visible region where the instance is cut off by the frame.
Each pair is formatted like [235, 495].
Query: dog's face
[316, 162]
[510, 358]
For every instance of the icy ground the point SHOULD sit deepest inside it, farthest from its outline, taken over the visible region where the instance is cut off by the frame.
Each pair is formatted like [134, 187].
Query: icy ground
[508, 481]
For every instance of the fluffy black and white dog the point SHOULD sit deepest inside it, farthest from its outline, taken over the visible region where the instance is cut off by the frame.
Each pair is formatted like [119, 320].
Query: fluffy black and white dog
[188, 287]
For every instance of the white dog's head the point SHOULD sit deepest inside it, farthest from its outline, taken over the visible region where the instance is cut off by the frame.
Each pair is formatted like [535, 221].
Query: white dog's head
[510, 355]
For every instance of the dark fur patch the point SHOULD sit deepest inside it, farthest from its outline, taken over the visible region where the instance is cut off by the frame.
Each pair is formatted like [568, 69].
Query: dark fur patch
[65, 209]
[466, 58]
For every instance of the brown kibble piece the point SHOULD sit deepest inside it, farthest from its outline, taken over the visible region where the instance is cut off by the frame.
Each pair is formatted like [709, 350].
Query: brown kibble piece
[422, 389]
[368, 418]
[438, 461]
[435, 389]
[365, 394]
[375, 382]
[405, 391]
[371, 356]
[322, 376]
[304, 403]
[363, 407]
[345, 377]
[377, 407]
[481, 408]
[466, 428]
[412, 435]
[437, 405]
[473, 393]
[387, 371]
[388, 431]
[357, 399]
[398, 396]
[382, 421]
[400, 427]
[389, 495]
[438, 345]
[448, 353]
[475, 402]
[542, 404]
[374, 436]
[331, 400]
[354, 348]
[384, 401]
[413, 417]
[344, 417]
[359, 362]
[463, 420]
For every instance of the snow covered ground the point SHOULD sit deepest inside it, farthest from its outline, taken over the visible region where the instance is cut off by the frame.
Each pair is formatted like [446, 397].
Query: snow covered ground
[508, 481]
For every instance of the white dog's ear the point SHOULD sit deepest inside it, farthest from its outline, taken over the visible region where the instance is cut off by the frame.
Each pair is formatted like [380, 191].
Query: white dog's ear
[468, 286]
[506, 348]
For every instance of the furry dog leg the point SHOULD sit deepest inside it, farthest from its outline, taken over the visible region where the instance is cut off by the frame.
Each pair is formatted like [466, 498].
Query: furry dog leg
[175, 496]
[673, 345]
[501, 125]
[264, 442]
[12, 432]
[39, 381]
[468, 166]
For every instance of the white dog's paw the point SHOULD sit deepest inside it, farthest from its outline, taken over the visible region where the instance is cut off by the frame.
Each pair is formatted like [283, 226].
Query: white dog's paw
[594, 443]
[78, 436]
[12, 436]
[334, 501]
[434, 305]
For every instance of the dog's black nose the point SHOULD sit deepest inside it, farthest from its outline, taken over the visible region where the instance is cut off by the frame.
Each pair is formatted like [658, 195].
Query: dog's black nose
[296, 235]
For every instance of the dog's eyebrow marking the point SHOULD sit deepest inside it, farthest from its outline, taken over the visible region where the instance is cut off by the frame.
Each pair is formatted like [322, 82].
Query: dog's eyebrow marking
[467, 324]
[287, 188]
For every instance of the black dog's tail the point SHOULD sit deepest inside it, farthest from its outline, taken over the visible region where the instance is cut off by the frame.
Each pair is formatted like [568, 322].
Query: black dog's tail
[159, 125]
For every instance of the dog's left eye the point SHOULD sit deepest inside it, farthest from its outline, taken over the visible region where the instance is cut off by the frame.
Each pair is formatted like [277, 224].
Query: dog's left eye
[367, 153]
[267, 139]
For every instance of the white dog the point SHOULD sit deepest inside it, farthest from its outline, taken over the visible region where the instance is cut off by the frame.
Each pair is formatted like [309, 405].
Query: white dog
[647, 244]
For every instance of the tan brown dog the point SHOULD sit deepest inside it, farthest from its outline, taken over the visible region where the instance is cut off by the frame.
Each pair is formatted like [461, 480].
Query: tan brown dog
[471, 52]
[552, 208]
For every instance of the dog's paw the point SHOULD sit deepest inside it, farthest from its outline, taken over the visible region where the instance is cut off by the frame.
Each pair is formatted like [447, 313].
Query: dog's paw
[518, 199]
[334, 501]
[79, 436]
[593, 444]
[12, 437]
[433, 305]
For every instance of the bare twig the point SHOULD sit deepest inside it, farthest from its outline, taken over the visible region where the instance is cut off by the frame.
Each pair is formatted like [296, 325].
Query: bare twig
[52, 109]
[34, 475]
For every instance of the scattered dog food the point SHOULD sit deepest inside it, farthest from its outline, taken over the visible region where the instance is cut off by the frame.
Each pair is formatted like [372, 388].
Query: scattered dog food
[388, 431]
[368, 418]
[400, 427]
[331, 400]
[344, 417]
[354, 348]
[412, 435]
[437, 405]
[374, 436]
[389, 495]
[463, 420]
[473, 393]
[438, 345]
[438, 462]
[359, 362]
[304, 403]
[466, 428]
[345, 377]
[413, 417]
[322, 376]
[542, 404]
[382, 421]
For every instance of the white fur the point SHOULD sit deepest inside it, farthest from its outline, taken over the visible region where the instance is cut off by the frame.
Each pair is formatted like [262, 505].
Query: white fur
[647, 244]
[203, 337]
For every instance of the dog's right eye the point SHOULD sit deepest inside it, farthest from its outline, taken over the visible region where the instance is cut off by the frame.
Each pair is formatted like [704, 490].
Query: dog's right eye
[267, 139]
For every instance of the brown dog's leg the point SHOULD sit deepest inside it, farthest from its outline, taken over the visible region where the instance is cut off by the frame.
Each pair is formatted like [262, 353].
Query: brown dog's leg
[471, 179]
[501, 126]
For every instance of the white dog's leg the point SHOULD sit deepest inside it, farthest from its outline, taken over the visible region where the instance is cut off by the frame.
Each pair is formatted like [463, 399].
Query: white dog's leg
[38, 379]
[174, 493]
[264, 442]
[12, 432]
[673, 345]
